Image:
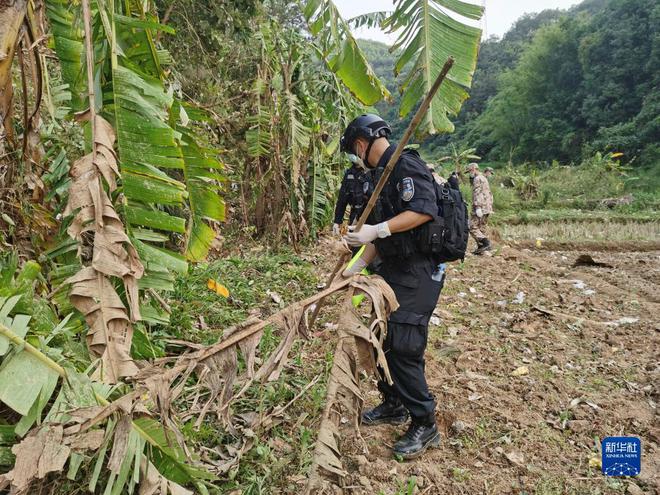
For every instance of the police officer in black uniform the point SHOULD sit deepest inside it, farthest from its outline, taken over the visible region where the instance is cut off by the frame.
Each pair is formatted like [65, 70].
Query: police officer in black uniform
[352, 192]
[406, 203]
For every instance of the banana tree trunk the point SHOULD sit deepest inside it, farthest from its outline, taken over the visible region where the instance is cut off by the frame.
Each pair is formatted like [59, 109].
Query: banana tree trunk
[12, 13]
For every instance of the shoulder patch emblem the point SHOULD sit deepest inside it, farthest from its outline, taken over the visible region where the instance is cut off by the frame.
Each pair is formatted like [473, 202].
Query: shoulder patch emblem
[407, 189]
[350, 176]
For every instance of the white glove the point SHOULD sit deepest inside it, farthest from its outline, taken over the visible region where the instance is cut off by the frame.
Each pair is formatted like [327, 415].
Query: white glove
[479, 212]
[336, 229]
[367, 234]
[357, 267]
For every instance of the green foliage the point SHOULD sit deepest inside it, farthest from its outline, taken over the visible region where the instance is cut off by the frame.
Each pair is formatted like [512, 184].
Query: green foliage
[596, 178]
[322, 183]
[157, 182]
[429, 35]
[288, 182]
[584, 84]
[531, 194]
[287, 448]
[529, 117]
[43, 378]
[7, 439]
[504, 198]
[370, 20]
[459, 159]
[26, 383]
[249, 278]
[495, 56]
[66, 26]
[201, 176]
[341, 51]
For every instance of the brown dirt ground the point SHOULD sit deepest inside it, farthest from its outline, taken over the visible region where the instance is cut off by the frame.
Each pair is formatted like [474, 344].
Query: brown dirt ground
[506, 434]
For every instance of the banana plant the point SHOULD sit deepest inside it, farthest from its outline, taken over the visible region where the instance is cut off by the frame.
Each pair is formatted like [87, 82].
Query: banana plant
[429, 31]
[459, 158]
[340, 51]
[80, 425]
[428, 36]
[296, 107]
[164, 171]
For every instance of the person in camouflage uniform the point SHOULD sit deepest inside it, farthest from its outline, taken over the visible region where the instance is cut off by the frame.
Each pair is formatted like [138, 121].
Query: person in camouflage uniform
[482, 207]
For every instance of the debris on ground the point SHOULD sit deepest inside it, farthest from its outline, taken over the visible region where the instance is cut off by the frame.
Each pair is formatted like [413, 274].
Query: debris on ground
[587, 260]
[587, 368]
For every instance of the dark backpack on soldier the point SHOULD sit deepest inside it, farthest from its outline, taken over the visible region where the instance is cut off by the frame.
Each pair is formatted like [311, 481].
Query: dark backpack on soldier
[454, 213]
[446, 237]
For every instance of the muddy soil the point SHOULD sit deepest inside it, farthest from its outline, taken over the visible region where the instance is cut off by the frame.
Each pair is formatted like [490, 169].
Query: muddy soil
[533, 362]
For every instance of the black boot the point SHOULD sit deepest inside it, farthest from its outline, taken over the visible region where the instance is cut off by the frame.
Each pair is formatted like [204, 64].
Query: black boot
[390, 411]
[478, 249]
[484, 245]
[420, 436]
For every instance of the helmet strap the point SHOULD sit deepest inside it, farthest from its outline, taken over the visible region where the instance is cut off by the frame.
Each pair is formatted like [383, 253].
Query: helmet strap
[366, 155]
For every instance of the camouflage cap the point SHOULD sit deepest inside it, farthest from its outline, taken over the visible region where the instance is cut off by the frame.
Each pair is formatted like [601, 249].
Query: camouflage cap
[489, 169]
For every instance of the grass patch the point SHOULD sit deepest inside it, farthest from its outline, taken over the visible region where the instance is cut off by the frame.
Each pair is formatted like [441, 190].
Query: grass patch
[565, 231]
[249, 279]
[460, 475]
[567, 215]
[258, 282]
[540, 193]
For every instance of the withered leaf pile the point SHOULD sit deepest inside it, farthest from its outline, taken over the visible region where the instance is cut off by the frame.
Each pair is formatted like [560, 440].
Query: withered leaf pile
[151, 412]
[215, 371]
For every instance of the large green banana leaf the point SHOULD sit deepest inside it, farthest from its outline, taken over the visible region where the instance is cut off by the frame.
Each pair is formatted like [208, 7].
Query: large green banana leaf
[164, 172]
[201, 173]
[430, 32]
[67, 31]
[28, 380]
[342, 53]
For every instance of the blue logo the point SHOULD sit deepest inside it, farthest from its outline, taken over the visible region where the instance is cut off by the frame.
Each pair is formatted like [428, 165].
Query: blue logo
[622, 456]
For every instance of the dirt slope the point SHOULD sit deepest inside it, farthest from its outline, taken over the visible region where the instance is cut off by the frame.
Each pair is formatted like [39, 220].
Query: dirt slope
[589, 341]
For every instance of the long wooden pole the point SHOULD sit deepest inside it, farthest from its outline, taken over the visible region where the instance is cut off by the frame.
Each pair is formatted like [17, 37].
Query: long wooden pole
[412, 127]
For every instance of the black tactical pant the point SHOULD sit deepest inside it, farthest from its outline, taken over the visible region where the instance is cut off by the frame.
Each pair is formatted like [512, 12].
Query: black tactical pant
[407, 332]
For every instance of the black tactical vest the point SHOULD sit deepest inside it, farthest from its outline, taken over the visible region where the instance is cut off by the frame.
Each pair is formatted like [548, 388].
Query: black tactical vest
[389, 205]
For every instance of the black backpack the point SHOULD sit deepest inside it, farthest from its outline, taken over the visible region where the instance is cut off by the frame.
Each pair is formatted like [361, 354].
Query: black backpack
[446, 237]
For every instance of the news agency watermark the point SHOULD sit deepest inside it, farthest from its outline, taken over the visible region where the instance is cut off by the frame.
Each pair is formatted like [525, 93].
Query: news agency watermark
[621, 456]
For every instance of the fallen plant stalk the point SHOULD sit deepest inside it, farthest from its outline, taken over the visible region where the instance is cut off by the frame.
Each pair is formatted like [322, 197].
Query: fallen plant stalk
[26, 346]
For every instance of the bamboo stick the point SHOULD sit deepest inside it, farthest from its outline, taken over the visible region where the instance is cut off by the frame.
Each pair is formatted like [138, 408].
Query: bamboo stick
[412, 127]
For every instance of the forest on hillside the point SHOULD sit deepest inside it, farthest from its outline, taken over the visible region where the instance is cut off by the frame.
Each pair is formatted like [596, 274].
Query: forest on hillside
[560, 85]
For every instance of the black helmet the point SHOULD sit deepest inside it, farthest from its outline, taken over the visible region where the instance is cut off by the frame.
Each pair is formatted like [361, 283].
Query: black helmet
[368, 126]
